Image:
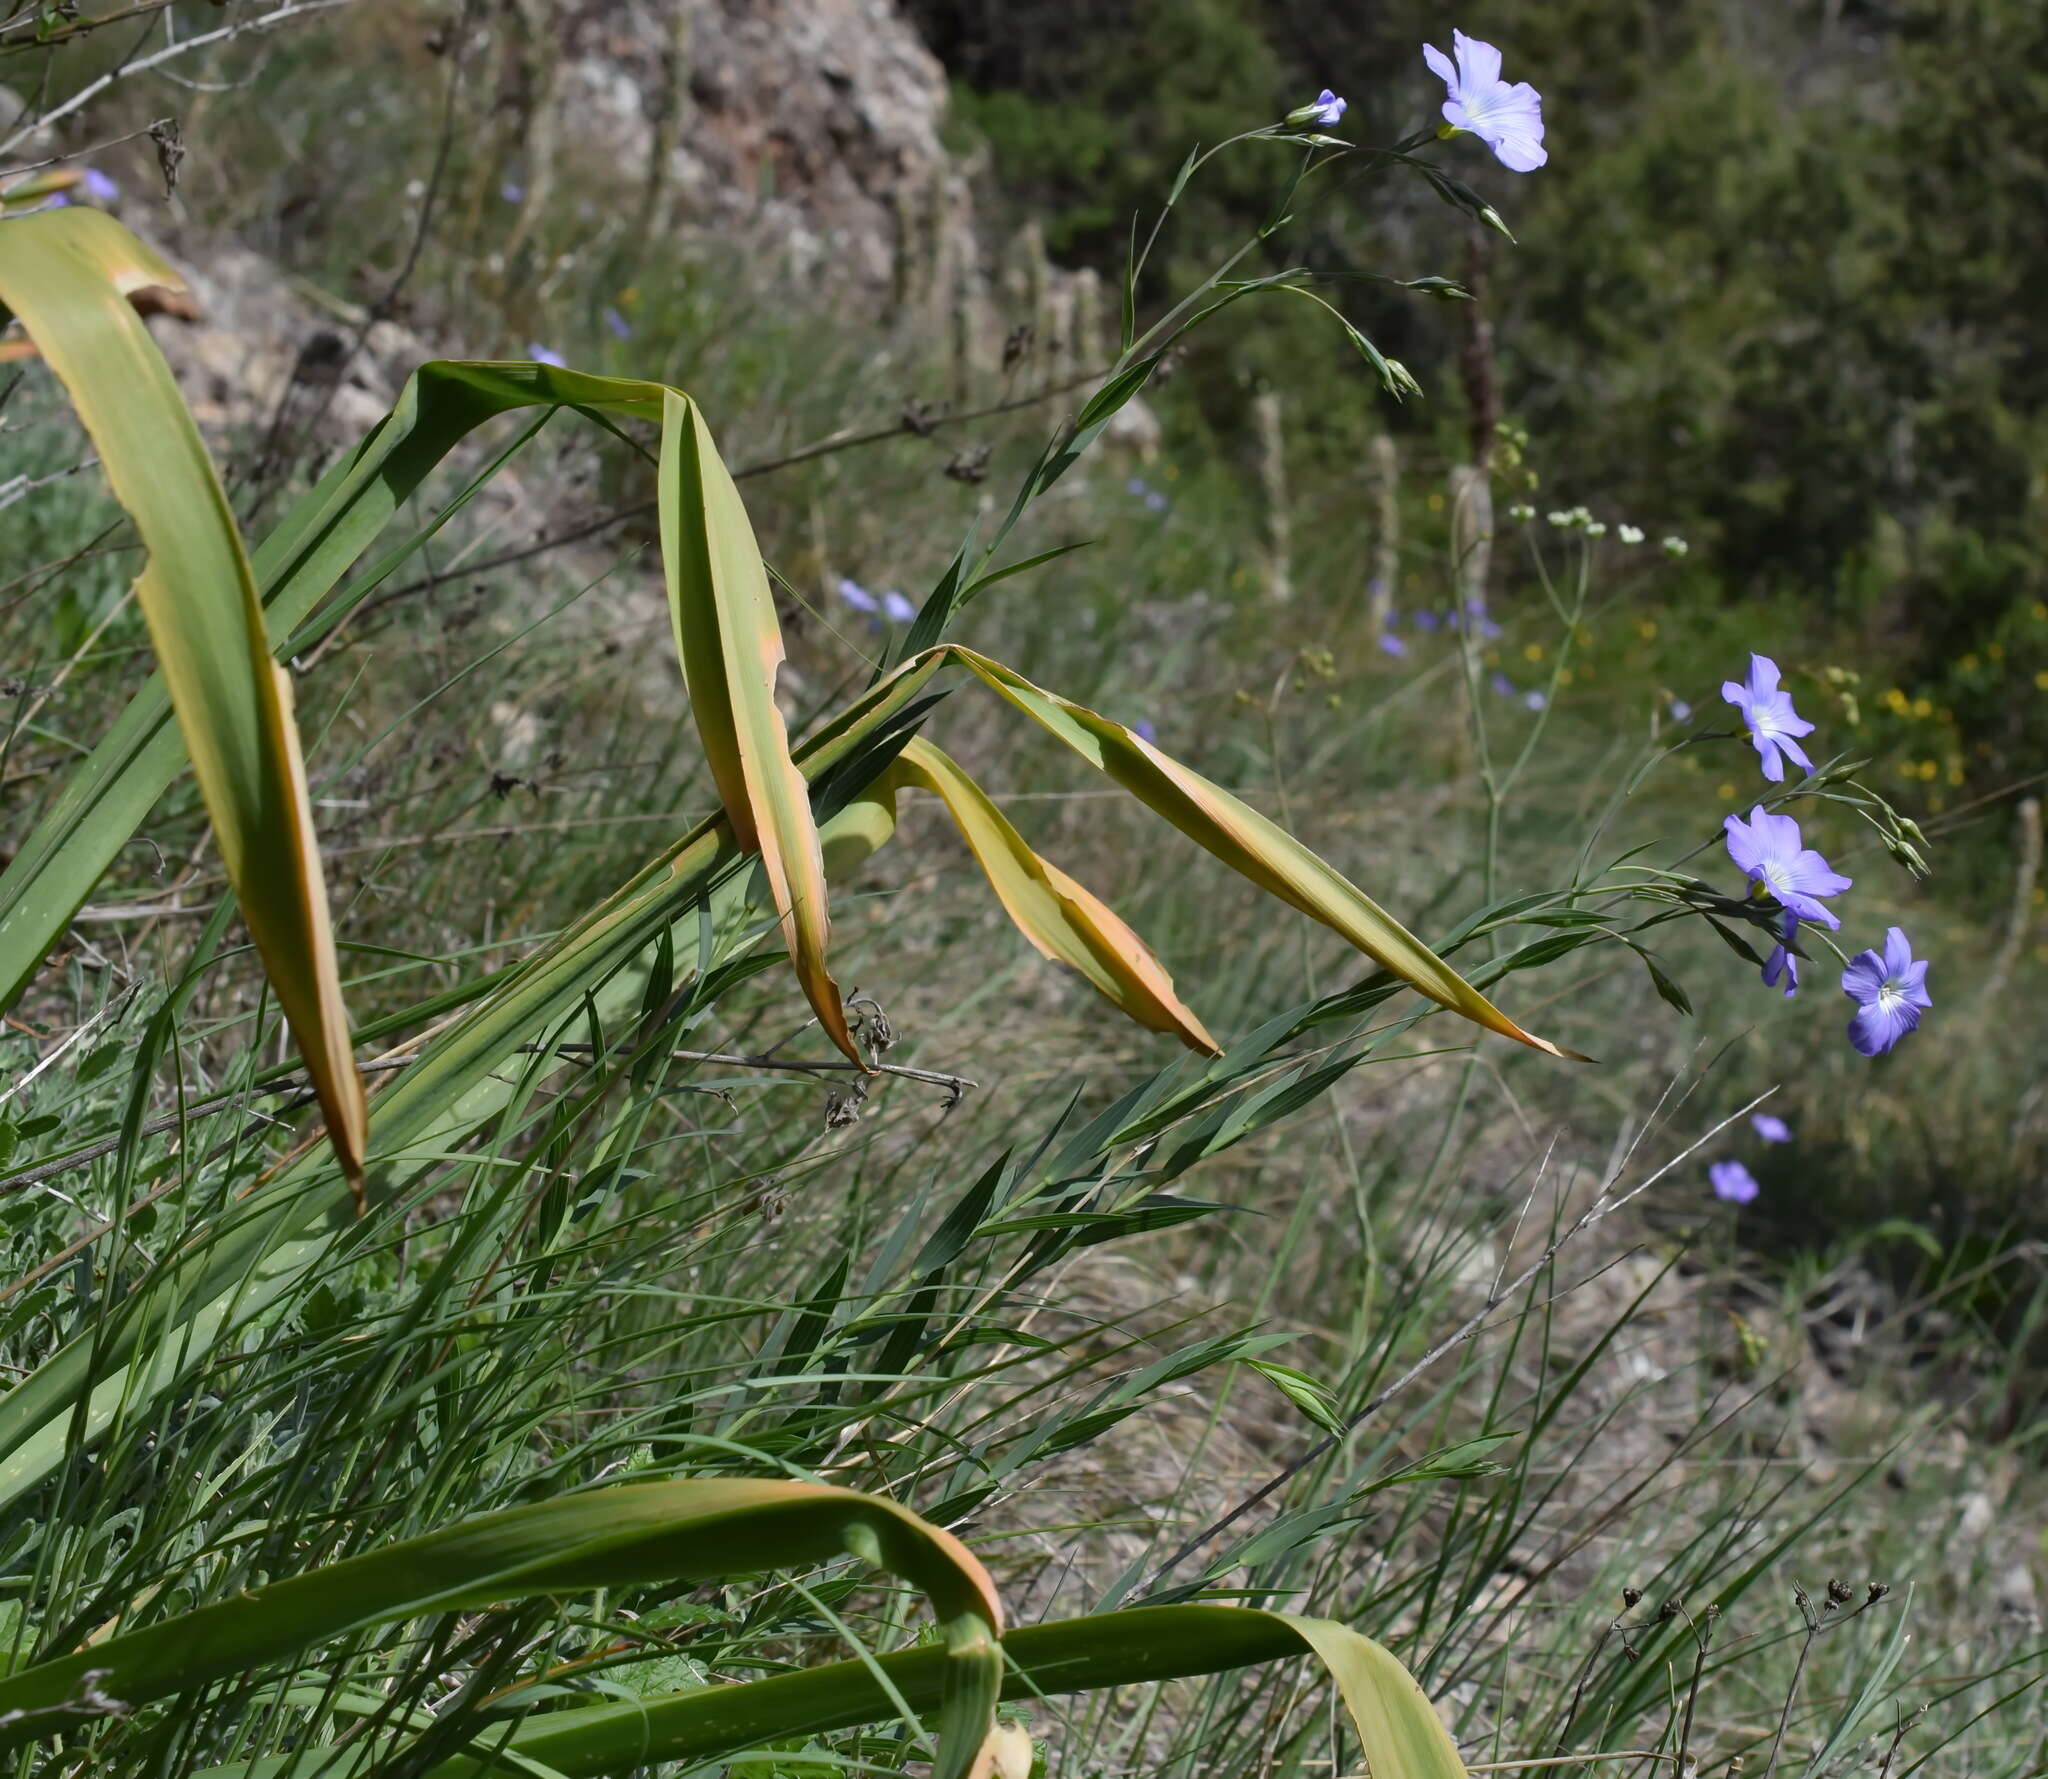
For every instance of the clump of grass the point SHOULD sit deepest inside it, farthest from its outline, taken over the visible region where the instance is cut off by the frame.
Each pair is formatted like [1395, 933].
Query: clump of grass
[1135, 1330]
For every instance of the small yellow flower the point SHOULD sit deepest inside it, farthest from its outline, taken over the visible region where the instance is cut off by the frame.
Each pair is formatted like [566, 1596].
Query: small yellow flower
[1923, 707]
[1929, 771]
[1564, 676]
[1647, 629]
[2041, 681]
[1996, 651]
[1532, 651]
[1895, 700]
[1955, 772]
[1436, 503]
[1727, 793]
[1970, 663]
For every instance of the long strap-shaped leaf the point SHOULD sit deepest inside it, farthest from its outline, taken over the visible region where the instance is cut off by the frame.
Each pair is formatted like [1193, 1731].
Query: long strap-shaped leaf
[618, 1537]
[1250, 845]
[1399, 1730]
[1066, 921]
[66, 275]
[725, 630]
[731, 646]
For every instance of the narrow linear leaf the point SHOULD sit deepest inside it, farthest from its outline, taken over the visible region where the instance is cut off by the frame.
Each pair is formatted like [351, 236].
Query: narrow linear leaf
[1397, 1726]
[625, 1536]
[67, 274]
[1251, 845]
[731, 647]
[1063, 920]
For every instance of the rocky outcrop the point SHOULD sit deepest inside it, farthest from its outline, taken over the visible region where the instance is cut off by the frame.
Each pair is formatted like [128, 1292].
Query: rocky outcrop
[818, 119]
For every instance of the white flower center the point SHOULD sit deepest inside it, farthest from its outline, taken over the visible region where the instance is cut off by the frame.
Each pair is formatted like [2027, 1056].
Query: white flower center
[1775, 879]
[1891, 995]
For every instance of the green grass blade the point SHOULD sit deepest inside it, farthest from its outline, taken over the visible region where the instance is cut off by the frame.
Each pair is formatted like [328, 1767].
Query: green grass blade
[253, 1256]
[619, 1537]
[1398, 1728]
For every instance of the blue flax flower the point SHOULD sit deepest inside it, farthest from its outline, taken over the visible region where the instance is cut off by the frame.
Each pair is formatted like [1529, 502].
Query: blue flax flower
[99, 187]
[1767, 850]
[621, 328]
[1681, 712]
[1773, 723]
[1733, 1183]
[857, 596]
[1145, 730]
[1391, 644]
[1428, 620]
[896, 608]
[1536, 700]
[545, 355]
[1155, 502]
[1508, 119]
[1783, 963]
[1771, 1129]
[1889, 992]
[1325, 109]
[1502, 686]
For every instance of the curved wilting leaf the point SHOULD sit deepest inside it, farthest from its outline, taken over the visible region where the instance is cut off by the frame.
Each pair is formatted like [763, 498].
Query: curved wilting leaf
[1398, 1729]
[731, 646]
[732, 672]
[1251, 845]
[1065, 921]
[67, 275]
[633, 1535]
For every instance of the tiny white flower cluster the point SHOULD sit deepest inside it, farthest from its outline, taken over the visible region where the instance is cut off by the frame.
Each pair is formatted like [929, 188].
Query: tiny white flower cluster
[1579, 519]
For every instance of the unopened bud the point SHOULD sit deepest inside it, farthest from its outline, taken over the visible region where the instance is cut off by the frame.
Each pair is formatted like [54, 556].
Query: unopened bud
[1631, 1597]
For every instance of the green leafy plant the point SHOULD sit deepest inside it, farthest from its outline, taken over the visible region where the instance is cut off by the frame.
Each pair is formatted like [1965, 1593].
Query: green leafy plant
[66, 279]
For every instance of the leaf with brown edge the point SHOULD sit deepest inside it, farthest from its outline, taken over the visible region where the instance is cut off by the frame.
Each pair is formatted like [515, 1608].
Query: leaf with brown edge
[1063, 920]
[1251, 845]
[731, 645]
[627, 1535]
[68, 275]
